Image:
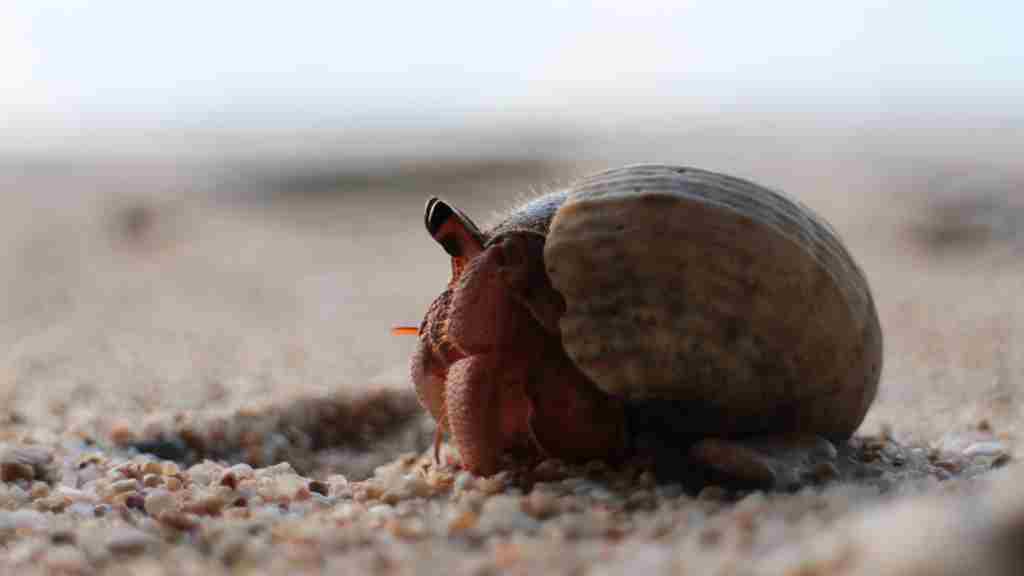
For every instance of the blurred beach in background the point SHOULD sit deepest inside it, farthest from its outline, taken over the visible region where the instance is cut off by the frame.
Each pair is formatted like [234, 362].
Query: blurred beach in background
[201, 203]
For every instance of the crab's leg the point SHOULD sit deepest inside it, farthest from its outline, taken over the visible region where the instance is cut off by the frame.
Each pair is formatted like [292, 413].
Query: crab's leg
[783, 462]
[486, 405]
[438, 436]
[474, 413]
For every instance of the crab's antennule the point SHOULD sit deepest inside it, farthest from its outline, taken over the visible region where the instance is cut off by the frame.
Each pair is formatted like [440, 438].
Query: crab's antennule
[405, 331]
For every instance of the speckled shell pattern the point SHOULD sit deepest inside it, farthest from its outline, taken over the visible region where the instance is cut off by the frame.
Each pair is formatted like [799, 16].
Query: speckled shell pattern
[714, 294]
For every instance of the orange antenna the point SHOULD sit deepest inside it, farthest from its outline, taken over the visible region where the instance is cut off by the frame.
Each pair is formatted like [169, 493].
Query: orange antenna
[405, 331]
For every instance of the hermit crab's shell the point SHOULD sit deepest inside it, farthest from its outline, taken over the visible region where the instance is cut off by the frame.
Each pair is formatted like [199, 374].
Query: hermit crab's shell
[711, 291]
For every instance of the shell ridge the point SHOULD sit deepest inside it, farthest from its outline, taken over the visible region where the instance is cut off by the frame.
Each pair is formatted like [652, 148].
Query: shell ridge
[784, 214]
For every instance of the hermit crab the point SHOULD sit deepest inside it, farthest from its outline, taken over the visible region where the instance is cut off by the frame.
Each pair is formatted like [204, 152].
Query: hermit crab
[650, 307]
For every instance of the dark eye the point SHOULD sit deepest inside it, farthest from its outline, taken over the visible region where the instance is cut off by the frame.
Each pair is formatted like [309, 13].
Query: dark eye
[437, 213]
[452, 229]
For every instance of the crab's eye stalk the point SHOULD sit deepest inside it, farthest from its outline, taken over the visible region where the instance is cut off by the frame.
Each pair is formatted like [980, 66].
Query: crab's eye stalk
[452, 229]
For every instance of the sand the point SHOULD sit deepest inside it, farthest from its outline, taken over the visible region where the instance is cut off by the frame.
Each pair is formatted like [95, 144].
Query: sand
[233, 323]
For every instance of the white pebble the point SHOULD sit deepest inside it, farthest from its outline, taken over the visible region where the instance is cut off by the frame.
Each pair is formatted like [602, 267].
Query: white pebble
[991, 448]
[504, 513]
[159, 501]
[282, 469]
[242, 470]
[129, 541]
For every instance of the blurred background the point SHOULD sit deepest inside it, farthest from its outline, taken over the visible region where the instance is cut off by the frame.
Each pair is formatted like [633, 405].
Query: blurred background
[206, 203]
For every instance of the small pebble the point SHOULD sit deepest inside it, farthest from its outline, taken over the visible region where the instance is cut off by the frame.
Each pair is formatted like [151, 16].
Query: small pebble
[280, 487]
[990, 448]
[163, 448]
[13, 471]
[39, 490]
[76, 495]
[52, 503]
[504, 513]
[229, 479]
[152, 467]
[669, 491]
[949, 465]
[347, 512]
[24, 462]
[179, 520]
[712, 494]
[135, 501]
[407, 529]
[282, 469]
[266, 513]
[601, 493]
[121, 486]
[337, 482]
[242, 471]
[463, 481]
[824, 472]
[203, 473]
[237, 513]
[129, 541]
[35, 456]
[540, 504]
[62, 537]
[462, 521]
[380, 512]
[126, 470]
[407, 486]
[159, 501]
[122, 434]
[366, 491]
[81, 509]
[208, 502]
[646, 479]
[641, 500]
[319, 487]
[12, 496]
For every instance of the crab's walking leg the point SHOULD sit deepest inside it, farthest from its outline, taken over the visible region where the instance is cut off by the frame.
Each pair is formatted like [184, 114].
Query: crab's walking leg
[474, 413]
[784, 462]
[438, 436]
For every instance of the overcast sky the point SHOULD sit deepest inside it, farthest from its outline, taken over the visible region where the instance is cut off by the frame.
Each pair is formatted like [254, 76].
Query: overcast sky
[77, 69]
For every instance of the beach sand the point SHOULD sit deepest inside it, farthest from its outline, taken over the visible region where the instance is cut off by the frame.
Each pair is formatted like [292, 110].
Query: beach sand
[234, 321]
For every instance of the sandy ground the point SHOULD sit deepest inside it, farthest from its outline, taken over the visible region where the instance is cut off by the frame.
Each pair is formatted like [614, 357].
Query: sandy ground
[235, 323]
